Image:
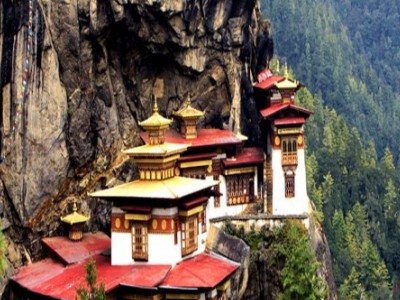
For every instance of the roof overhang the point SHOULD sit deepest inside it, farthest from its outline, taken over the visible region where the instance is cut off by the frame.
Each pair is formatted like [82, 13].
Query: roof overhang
[271, 111]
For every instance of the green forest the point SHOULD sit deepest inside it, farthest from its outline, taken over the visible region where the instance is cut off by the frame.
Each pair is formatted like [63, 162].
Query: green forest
[350, 62]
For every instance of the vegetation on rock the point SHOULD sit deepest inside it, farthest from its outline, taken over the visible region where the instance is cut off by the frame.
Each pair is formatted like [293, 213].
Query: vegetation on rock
[357, 194]
[286, 255]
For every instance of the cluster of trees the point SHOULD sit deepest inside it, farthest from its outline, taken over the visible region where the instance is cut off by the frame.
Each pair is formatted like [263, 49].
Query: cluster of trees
[374, 27]
[311, 36]
[357, 197]
[286, 254]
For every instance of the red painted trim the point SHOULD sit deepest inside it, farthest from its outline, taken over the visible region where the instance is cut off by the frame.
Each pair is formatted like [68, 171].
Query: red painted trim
[194, 202]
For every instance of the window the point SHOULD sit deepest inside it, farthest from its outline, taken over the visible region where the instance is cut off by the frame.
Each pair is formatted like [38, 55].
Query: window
[217, 202]
[203, 220]
[139, 241]
[176, 224]
[289, 150]
[289, 185]
[189, 232]
[240, 188]
[195, 172]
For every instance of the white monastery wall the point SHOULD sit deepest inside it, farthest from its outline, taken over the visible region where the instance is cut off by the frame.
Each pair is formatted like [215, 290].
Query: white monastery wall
[297, 204]
[121, 248]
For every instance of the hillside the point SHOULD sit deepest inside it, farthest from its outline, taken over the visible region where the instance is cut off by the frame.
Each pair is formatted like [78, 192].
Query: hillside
[312, 38]
[353, 149]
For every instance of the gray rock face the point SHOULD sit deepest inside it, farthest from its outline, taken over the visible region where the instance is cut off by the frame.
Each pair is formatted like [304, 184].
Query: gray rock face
[93, 66]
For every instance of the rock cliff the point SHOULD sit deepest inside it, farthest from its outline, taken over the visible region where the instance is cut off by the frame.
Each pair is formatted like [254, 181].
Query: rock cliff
[77, 77]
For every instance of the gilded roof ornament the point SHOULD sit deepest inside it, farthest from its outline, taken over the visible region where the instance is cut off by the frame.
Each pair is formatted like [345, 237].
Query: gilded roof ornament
[188, 111]
[287, 83]
[285, 71]
[155, 121]
[75, 217]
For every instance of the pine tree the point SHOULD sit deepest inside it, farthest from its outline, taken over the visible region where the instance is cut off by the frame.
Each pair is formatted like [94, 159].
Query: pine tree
[352, 289]
[373, 272]
[300, 279]
[94, 292]
[389, 200]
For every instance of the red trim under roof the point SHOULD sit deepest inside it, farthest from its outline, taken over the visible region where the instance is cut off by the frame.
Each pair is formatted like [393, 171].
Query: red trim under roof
[205, 137]
[137, 209]
[249, 156]
[270, 111]
[289, 121]
[197, 156]
[201, 271]
[70, 252]
[194, 202]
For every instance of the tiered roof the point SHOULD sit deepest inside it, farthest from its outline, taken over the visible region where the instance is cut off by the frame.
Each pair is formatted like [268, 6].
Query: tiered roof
[156, 161]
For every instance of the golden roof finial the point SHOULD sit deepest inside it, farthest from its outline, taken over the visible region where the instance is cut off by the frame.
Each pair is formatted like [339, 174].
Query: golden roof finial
[155, 105]
[277, 65]
[75, 217]
[74, 207]
[285, 71]
[188, 100]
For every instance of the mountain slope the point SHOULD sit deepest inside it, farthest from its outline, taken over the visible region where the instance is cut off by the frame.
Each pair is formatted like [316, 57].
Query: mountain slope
[311, 37]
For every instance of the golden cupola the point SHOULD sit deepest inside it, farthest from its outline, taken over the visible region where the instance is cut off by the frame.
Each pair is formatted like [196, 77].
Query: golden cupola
[188, 117]
[287, 88]
[76, 222]
[157, 159]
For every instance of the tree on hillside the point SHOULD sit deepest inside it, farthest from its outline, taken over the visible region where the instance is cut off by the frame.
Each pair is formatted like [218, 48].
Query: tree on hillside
[299, 276]
[92, 292]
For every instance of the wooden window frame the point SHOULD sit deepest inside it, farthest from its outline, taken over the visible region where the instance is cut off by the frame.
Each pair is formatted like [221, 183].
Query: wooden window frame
[238, 190]
[289, 150]
[189, 234]
[140, 240]
[290, 185]
[203, 217]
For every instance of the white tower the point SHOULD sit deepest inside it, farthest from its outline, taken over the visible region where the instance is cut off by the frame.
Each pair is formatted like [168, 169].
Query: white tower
[282, 129]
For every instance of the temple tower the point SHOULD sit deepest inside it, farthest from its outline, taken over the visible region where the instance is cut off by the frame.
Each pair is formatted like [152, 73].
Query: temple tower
[159, 218]
[283, 134]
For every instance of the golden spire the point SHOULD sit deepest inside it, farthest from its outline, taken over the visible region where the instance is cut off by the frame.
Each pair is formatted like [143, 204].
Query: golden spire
[75, 217]
[155, 105]
[188, 111]
[277, 66]
[188, 101]
[285, 71]
[189, 117]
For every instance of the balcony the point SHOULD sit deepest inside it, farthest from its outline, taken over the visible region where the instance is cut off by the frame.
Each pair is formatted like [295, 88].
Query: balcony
[289, 159]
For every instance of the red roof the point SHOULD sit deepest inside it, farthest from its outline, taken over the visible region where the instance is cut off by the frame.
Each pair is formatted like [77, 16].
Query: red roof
[270, 111]
[205, 137]
[54, 280]
[266, 79]
[289, 121]
[72, 252]
[201, 271]
[249, 156]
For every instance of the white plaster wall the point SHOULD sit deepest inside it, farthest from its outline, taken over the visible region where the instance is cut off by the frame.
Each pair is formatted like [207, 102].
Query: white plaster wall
[165, 211]
[162, 249]
[289, 206]
[121, 248]
[224, 209]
